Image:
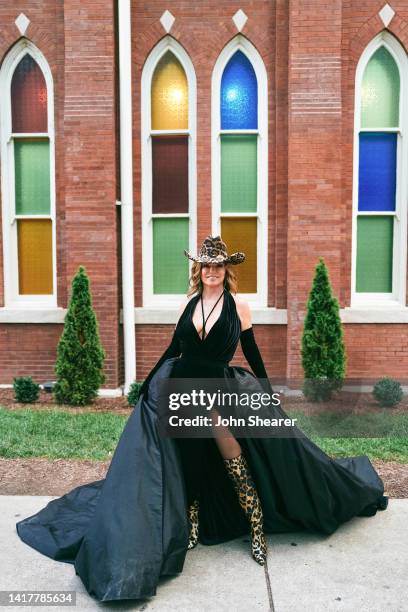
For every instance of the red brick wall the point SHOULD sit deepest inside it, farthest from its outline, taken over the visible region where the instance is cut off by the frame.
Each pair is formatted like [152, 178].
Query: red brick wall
[77, 39]
[203, 29]
[44, 31]
[377, 350]
[28, 350]
[310, 50]
[361, 24]
[326, 42]
[314, 200]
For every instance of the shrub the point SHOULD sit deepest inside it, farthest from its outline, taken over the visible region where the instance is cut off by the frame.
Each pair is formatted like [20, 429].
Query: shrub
[318, 389]
[323, 352]
[388, 392]
[134, 392]
[80, 355]
[25, 389]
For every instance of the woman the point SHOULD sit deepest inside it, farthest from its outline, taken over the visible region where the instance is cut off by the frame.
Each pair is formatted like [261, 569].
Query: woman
[161, 495]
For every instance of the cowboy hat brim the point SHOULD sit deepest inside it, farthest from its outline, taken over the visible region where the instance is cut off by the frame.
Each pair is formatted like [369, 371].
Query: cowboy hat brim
[234, 259]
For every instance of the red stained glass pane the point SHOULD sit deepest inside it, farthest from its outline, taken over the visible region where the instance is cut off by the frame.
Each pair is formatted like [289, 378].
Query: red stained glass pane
[170, 174]
[28, 97]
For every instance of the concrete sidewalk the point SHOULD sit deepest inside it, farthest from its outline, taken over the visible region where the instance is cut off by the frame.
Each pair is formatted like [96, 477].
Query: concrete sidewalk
[362, 567]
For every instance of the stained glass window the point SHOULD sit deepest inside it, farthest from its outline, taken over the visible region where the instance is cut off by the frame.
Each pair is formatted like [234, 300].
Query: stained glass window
[236, 232]
[28, 97]
[238, 172]
[34, 256]
[169, 95]
[380, 91]
[32, 176]
[32, 188]
[170, 266]
[377, 174]
[170, 171]
[374, 253]
[239, 166]
[170, 176]
[239, 94]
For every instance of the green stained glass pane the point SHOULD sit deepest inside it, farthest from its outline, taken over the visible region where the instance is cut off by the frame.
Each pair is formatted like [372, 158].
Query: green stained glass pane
[380, 91]
[238, 172]
[170, 265]
[374, 254]
[32, 176]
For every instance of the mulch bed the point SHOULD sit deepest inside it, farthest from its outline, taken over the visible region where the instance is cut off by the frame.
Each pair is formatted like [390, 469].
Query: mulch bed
[41, 476]
[118, 405]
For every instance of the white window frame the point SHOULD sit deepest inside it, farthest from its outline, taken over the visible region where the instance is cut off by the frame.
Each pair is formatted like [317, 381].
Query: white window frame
[151, 300]
[397, 298]
[259, 299]
[12, 298]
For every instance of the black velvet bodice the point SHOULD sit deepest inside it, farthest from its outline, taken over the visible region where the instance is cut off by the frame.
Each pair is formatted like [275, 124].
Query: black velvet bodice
[220, 344]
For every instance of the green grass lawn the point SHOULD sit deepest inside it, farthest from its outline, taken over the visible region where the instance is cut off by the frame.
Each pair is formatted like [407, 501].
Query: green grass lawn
[94, 435]
[382, 435]
[59, 435]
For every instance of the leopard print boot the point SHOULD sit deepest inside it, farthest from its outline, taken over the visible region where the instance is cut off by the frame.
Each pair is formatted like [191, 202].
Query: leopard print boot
[193, 521]
[238, 470]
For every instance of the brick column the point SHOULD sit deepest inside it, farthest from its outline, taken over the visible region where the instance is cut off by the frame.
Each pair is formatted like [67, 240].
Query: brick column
[90, 173]
[315, 211]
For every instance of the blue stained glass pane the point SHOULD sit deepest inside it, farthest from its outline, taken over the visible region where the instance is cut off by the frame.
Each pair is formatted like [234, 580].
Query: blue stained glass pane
[239, 95]
[377, 171]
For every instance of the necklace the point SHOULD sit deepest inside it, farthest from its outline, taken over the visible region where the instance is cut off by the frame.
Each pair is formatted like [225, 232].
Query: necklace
[202, 312]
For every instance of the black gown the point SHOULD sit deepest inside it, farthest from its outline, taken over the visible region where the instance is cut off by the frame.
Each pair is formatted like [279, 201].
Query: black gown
[124, 532]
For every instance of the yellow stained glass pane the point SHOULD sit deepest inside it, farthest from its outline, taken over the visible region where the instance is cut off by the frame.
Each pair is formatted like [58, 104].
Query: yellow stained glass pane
[240, 234]
[34, 256]
[169, 95]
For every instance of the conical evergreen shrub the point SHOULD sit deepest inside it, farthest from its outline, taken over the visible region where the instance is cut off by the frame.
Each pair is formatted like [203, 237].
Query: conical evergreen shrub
[323, 351]
[80, 355]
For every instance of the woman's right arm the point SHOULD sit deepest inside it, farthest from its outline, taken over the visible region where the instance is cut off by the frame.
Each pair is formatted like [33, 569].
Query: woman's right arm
[181, 308]
[173, 350]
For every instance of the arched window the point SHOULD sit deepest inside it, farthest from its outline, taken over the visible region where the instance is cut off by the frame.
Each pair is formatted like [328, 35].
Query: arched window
[27, 145]
[379, 209]
[239, 162]
[168, 172]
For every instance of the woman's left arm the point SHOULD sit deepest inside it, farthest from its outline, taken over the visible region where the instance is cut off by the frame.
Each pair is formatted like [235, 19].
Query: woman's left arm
[248, 343]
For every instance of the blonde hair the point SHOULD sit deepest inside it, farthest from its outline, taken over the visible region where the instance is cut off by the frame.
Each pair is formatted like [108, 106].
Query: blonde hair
[196, 285]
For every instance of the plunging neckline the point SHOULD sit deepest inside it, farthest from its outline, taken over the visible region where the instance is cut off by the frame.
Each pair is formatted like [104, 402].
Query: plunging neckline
[215, 322]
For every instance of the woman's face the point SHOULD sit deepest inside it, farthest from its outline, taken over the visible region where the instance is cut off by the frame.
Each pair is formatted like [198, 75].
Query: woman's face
[212, 275]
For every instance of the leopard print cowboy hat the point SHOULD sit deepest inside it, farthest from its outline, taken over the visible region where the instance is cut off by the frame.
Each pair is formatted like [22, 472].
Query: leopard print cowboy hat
[214, 250]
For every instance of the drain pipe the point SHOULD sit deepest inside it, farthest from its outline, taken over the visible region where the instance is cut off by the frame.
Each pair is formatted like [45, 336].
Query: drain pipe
[126, 190]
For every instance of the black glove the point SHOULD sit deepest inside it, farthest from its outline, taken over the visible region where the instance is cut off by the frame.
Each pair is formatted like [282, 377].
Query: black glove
[173, 350]
[253, 356]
